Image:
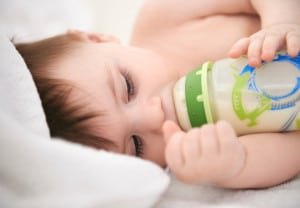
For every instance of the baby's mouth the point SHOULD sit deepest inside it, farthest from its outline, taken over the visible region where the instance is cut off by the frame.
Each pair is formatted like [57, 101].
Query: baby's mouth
[168, 103]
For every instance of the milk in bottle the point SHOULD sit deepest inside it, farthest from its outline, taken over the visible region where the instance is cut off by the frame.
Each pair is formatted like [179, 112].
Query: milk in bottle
[263, 99]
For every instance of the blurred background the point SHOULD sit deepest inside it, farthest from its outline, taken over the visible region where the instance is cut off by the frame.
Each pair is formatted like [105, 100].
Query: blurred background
[35, 19]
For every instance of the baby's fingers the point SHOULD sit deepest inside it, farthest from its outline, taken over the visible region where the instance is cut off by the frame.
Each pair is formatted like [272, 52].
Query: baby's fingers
[270, 46]
[239, 48]
[254, 50]
[173, 152]
[169, 128]
[233, 153]
[173, 138]
[293, 43]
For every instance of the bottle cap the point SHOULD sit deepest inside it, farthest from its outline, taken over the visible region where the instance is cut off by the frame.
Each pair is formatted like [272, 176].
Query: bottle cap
[197, 96]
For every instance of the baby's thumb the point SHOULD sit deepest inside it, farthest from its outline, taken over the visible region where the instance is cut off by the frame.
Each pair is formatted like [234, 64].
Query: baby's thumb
[169, 128]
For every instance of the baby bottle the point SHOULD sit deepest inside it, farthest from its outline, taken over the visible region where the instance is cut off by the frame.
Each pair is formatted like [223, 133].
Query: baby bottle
[262, 99]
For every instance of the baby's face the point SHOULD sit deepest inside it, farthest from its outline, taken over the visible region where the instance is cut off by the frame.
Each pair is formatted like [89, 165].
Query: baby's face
[132, 86]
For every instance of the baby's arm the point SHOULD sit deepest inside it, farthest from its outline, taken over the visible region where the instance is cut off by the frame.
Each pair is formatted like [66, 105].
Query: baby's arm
[156, 17]
[280, 22]
[177, 11]
[213, 154]
[272, 158]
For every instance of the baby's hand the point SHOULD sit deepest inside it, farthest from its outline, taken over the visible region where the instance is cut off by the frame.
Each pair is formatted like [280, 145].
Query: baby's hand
[263, 44]
[210, 154]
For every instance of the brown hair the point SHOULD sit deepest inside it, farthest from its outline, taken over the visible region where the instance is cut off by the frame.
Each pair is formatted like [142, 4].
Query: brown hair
[65, 119]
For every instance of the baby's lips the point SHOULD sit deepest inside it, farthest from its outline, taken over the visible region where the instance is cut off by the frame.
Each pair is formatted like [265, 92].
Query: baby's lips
[168, 103]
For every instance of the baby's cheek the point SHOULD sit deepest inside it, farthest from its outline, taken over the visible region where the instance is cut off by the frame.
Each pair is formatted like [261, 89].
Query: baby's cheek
[155, 152]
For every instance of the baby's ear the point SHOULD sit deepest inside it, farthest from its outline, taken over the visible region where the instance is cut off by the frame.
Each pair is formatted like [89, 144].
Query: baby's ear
[92, 37]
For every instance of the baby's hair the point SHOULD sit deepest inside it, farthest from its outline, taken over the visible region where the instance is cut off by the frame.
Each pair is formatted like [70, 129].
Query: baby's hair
[66, 119]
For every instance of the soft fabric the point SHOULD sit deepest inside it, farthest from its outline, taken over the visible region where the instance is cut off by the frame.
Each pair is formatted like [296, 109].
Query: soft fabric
[19, 96]
[36, 171]
[35, 19]
[181, 195]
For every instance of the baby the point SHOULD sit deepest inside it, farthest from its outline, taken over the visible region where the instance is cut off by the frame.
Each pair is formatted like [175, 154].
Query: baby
[100, 93]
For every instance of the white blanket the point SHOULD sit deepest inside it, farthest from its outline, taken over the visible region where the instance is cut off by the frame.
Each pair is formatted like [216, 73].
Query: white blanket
[36, 171]
[181, 195]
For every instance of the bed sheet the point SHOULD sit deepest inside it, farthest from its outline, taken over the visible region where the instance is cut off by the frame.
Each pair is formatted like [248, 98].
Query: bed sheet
[180, 195]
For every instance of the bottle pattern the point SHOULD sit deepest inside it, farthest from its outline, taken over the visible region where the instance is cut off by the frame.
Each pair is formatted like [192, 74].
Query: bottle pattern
[245, 81]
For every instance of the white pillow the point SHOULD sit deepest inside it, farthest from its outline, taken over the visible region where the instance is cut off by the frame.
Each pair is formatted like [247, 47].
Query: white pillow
[19, 95]
[36, 171]
[37, 19]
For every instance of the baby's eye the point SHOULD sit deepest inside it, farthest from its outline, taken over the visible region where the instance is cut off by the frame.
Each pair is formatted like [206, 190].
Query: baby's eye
[129, 85]
[138, 145]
